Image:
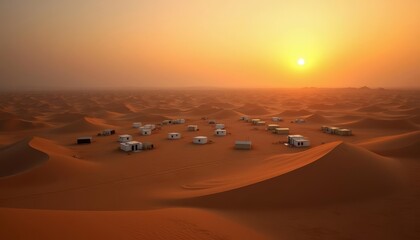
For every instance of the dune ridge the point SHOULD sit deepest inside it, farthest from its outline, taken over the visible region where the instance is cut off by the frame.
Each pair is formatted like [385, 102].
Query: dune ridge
[20, 157]
[401, 145]
[329, 169]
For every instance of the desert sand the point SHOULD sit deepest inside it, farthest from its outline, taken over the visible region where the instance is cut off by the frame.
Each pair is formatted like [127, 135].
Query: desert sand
[364, 186]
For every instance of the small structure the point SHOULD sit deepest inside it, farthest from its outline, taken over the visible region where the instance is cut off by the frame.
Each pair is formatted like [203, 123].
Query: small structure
[136, 124]
[292, 138]
[344, 132]
[148, 146]
[246, 145]
[260, 123]
[125, 138]
[84, 140]
[244, 118]
[131, 146]
[298, 141]
[200, 140]
[281, 131]
[192, 128]
[272, 127]
[220, 126]
[174, 135]
[324, 128]
[107, 132]
[178, 121]
[212, 121]
[255, 121]
[301, 143]
[299, 120]
[166, 122]
[145, 131]
[150, 126]
[220, 132]
[276, 119]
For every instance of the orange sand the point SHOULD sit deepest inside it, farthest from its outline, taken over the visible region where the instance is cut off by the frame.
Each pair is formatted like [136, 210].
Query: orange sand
[364, 186]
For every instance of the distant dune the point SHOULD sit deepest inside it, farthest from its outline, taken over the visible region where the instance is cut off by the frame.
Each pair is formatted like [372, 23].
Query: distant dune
[295, 113]
[401, 145]
[86, 124]
[15, 124]
[252, 109]
[317, 118]
[374, 123]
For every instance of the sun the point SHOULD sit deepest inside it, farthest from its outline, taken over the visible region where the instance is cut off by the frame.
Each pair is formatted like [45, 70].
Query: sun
[301, 61]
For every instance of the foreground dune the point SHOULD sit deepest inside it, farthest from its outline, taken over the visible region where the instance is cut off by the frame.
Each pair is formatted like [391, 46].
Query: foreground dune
[298, 180]
[177, 223]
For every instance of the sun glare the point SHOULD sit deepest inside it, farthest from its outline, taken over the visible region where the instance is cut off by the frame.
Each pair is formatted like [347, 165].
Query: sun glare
[301, 61]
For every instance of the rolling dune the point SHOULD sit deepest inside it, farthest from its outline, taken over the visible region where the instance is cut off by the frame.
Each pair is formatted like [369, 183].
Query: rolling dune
[401, 145]
[327, 169]
[86, 124]
[374, 123]
[20, 157]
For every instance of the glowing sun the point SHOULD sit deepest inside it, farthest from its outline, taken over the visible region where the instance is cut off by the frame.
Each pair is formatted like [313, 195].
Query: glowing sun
[301, 61]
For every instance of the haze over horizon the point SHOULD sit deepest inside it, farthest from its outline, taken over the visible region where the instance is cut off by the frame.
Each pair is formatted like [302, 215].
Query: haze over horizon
[162, 44]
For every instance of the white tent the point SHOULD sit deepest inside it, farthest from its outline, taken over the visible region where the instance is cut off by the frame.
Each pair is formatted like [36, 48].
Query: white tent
[125, 138]
[146, 131]
[192, 128]
[220, 126]
[200, 140]
[131, 146]
[220, 132]
[174, 135]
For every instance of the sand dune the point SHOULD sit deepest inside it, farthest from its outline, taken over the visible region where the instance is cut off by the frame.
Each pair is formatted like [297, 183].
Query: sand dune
[317, 118]
[252, 109]
[143, 117]
[401, 145]
[87, 124]
[381, 124]
[371, 108]
[327, 177]
[176, 224]
[20, 157]
[223, 114]
[65, 117]
[295, 113]
[14, 124]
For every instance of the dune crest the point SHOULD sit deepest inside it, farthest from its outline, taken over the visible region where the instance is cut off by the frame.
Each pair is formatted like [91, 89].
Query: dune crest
[85, 124]
[20, 157]
[401, 145]
[327, 176]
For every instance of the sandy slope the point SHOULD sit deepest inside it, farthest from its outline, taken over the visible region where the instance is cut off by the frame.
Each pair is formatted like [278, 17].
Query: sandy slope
[329, 169]
[401, 145]
[20, 157]
[177, 223]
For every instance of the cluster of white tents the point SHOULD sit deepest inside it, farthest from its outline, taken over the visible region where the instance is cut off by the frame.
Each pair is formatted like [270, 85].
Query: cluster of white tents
[127, 143]
[292, 140]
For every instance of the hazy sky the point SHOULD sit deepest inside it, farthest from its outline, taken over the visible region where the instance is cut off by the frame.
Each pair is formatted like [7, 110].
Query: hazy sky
[230, 43]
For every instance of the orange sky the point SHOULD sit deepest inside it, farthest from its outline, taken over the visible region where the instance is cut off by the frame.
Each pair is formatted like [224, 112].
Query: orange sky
[230, 43]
